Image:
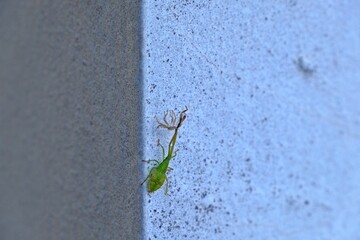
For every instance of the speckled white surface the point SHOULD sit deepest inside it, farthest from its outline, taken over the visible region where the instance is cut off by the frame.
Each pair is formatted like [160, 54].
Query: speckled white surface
[270, 146]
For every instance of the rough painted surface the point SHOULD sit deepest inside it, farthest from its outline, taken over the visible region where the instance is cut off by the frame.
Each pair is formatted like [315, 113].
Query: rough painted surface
[270, 148]
[69, 114]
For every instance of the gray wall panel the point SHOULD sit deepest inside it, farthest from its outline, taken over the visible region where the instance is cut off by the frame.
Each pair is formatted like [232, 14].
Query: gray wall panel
[69, 116]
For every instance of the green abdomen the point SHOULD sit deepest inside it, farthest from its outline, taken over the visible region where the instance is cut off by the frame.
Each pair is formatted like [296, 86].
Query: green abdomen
[156, 180]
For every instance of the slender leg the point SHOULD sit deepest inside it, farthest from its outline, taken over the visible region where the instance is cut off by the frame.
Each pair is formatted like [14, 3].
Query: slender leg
[169, 169]
[165, 124]
[174, 154]
[145, 179]
[162, 147]
[173, 118]
[165, 115]
[148, 161]
[167, 185]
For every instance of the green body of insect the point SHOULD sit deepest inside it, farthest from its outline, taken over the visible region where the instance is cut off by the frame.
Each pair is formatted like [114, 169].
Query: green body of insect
[157, 175]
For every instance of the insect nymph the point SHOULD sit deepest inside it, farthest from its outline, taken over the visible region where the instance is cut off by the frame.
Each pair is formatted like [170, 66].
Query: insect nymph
[157, 175]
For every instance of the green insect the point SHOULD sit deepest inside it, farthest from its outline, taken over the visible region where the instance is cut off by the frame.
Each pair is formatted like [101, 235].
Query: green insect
[157, 175]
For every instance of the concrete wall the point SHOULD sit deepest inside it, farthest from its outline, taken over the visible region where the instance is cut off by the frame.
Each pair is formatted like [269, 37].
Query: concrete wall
[69, 120]
[270, 148]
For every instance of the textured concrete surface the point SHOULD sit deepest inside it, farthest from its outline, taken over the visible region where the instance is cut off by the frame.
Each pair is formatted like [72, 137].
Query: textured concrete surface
[270, 148]
[69, 115]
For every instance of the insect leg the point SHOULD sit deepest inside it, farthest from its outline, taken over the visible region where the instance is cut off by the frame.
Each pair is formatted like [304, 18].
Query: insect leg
[174, 154]
[162, 147]
[145, 179]
[165, 115]
[173, 118]
[151, 160]
[167, 185]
